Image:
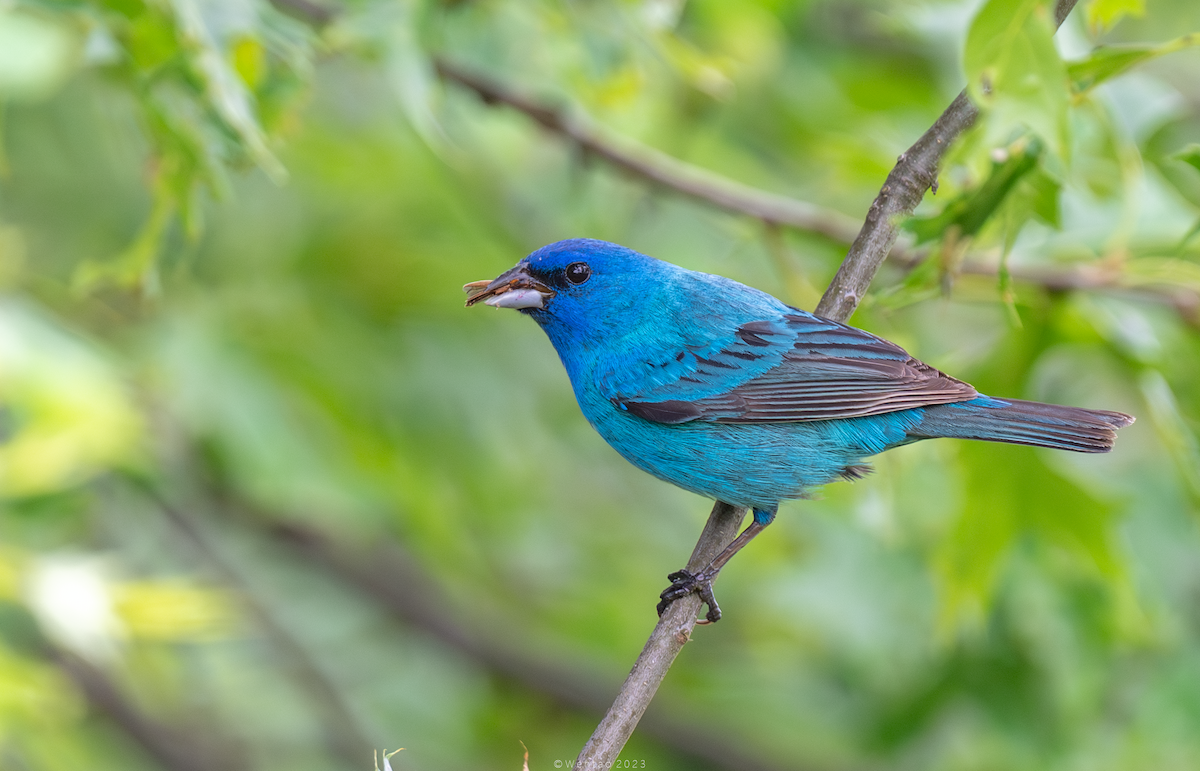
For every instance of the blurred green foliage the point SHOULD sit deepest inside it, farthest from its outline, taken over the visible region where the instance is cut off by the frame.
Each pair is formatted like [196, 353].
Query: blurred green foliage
[232, 237]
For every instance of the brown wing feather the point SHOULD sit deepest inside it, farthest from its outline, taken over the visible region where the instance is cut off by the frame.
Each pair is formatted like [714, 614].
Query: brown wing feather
[853, 388]
[829, 371]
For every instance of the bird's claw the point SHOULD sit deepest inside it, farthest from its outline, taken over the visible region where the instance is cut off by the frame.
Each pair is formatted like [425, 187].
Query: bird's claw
[685, 582]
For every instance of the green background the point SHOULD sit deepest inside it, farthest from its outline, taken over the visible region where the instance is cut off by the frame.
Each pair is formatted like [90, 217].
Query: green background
[270, 497]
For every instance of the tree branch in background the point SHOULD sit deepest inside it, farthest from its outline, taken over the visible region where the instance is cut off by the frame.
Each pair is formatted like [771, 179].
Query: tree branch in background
[343, 735]
[392, 578]
[310, 12]
[915, 172]
[1093, 278]
[173, 749]
[872, 243]
[905, 187]
[658, 167]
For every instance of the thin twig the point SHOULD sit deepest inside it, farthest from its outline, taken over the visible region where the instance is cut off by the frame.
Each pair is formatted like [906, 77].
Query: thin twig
[915, 171]
[658, 167]
[913, 174]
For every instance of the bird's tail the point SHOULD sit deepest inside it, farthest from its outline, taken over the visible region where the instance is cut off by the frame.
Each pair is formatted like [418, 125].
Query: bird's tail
[1020, 422]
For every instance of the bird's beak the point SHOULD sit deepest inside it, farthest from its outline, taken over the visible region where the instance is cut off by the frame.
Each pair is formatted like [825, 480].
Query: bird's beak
[514, 288]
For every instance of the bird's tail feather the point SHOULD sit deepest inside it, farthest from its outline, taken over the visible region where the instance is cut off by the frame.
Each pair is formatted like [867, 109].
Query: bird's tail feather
[1021, 422]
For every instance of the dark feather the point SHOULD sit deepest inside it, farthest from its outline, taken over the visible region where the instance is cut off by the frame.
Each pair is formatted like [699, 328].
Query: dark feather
[854, 473]
[828, 371]
[673, 411]
[1031, 423]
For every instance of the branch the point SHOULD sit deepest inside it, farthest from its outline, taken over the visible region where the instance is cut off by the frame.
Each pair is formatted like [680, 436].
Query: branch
[658, 167]
[313, 13]
[392, 578]
[1094, 278]
[877, 239]
[673, 630]
[167, 744]
[915, 171]
[343, 735]
[913, 174]
[1100, 276]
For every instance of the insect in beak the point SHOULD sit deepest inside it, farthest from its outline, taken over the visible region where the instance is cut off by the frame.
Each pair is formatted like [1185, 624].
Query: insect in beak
[514, 288]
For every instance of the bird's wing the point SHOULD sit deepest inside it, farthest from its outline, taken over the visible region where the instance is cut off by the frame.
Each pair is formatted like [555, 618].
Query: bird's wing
[797, 367]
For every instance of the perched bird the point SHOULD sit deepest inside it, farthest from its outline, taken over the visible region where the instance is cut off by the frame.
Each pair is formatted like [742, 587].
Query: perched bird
[725, 391]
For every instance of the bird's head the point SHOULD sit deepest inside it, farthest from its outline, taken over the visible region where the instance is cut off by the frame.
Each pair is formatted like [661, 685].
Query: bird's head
[580, 288]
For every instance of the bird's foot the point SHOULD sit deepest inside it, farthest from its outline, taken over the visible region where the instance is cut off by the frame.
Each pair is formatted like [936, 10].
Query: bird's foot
[685, 582]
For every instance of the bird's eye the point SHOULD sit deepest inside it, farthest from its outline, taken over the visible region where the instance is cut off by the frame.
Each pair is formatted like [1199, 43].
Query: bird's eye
[578, 272]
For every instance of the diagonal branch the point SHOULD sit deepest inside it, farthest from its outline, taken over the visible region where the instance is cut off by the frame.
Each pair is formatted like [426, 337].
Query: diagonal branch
[672, 632]
[391, 577]
[914, 173]
[343, 734]
[171, 747]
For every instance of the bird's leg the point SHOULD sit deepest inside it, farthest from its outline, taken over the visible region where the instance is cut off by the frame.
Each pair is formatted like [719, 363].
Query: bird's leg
[685, 582]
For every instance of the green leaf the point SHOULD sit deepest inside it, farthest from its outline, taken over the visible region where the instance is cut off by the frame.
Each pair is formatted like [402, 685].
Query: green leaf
[224, 87]
[1011, 493]
[1172, 428]
[36, 55]
[1042, 192]
[135, 267]
[1014, 71]
[1108, 62]
[249, 60]
[151, 41]
[1183, 242]
[1104, 14]
[1162, 271]
[1189, 155]
[971, 211]
[77, 419]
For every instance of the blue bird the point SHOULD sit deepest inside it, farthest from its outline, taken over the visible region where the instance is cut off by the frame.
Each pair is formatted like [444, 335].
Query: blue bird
[727, 392]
